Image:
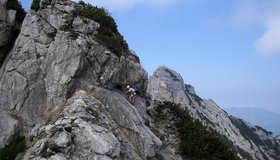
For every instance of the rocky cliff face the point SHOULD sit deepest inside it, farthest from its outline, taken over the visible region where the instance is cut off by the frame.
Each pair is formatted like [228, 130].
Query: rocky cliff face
[168, 85]
[64, 91]
[49, 64]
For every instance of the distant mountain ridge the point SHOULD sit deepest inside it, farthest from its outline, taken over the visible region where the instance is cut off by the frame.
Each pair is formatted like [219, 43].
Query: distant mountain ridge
[258, 116]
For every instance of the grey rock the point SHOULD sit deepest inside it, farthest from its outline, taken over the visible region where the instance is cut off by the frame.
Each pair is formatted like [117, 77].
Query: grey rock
[167, 85]
[129, 119]
[50, 61]
[62, 140]
[40, 146]
[84, 25]
[57, 157]
[39, 158]
[169, 153]
[98, 130]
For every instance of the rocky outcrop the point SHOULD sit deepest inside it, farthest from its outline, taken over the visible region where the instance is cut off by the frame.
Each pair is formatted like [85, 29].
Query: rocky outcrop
[9, 27]
[168, 85]
[49, 63]
[63, 91]
[94, 125]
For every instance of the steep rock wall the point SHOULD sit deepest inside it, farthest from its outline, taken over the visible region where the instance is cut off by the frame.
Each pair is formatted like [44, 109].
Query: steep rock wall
[48, 63]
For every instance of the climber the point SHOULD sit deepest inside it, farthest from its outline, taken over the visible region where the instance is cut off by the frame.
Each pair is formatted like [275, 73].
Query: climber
[131, 94]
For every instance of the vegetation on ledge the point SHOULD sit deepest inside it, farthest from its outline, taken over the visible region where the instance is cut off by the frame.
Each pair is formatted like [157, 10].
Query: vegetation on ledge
[11, 151]
[196, 140]
[108, 34]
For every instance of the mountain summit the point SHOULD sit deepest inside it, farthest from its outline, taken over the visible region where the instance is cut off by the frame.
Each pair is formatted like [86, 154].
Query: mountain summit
[63, 96]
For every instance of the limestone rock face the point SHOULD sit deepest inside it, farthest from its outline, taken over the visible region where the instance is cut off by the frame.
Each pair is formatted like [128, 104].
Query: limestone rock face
[50, 61]
[8, 27]
[101, 124]
[168, 85]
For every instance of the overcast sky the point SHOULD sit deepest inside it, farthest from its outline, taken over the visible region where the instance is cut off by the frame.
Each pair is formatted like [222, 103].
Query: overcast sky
[229, 50]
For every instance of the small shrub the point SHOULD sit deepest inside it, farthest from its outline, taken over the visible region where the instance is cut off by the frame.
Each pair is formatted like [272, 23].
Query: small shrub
[32, 141]
[108, 34]
[2, 56]
[82, 3]
[35, 5]
[52, 34]
[147, 123]
[11, 150]
[159, 157]
[92, 112]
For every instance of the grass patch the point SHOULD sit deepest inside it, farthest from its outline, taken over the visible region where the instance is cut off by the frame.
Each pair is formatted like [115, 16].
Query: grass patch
[32, 141]
[20, 156]
[10, 151]
[54, 116]
[92, 112]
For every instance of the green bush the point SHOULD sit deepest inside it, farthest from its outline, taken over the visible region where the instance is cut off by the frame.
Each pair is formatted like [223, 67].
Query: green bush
[15, 5]
[147, 123]
[35, 5]
[10, 151]
[108, 34]
[196, 141]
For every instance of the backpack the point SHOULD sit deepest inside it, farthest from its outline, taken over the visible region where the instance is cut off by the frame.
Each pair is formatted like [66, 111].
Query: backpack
[136, 89]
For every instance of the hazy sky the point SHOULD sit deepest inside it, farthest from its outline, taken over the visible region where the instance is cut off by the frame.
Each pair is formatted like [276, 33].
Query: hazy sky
[229, 50]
